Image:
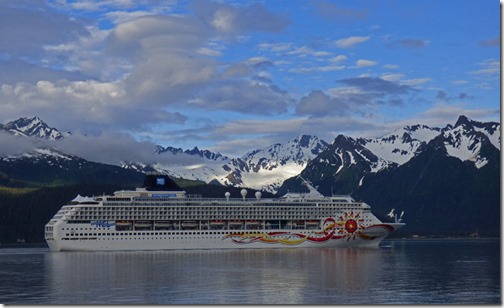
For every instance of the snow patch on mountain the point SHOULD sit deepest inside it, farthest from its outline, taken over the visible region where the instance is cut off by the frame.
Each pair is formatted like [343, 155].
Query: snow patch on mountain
[465, 146]
[402, 144]
[54, 153]
[375, 166]
[270, 180]
[492, 131]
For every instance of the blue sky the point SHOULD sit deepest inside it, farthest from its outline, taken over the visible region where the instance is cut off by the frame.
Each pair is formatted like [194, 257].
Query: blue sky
[232, 76]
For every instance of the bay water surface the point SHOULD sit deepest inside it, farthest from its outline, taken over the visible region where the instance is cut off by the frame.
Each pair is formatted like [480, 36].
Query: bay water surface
[398, 272]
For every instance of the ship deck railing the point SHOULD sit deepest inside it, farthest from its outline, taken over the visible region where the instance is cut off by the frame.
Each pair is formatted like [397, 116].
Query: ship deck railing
[230, 202]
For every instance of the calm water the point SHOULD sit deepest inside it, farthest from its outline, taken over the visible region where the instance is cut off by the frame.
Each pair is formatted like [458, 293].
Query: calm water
[400, 272]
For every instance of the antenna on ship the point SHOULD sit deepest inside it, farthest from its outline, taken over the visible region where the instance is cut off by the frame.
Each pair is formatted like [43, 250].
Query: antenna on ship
[391, 213]
[400, 217]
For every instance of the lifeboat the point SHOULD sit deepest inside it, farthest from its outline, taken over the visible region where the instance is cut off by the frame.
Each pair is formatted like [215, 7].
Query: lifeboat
[312, 224]
[163, 224]
[189, 224]
[143, 224]
[252, 223]
[123, 223]
[235, 222]
[216, 223]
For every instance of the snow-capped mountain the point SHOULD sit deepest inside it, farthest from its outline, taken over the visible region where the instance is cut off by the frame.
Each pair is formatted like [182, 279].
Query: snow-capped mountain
[194, 152]
[267, 168]
[345, 160]
[264, 169]
[346, 163]
[33, 127]
[402, 144]
[466, 139]
[462, 141]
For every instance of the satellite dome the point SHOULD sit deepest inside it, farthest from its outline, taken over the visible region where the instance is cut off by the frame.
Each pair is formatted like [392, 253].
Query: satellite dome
[243, 192]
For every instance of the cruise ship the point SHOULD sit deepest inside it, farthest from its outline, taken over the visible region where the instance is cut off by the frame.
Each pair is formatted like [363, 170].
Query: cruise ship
[161, 216]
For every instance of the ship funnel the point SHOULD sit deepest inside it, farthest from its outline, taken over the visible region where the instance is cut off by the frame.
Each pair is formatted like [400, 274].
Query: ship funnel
[155, 181]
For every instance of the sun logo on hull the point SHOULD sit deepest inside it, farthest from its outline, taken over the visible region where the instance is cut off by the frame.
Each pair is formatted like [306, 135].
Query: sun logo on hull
[350, 225]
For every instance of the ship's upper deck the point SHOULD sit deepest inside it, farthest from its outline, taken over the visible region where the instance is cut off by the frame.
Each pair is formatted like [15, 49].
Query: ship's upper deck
[160, 189]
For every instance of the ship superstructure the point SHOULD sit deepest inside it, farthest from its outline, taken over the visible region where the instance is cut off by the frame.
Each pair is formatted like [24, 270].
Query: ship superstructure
[160, 216]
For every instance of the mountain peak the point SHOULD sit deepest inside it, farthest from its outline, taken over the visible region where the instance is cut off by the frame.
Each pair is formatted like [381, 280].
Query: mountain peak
[462, 120]
[303, 140]
[33, 127]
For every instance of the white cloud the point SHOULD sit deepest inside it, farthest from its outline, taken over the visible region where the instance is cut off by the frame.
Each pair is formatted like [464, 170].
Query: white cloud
[28, 27]
[209, 52]
[275, 47]
[391, 66]
[311, 69]
[318, 103]
[338, 58]
[442, 113]
[416, 81]
[154, 65]
[244, 96]
[365, 63]
[108, 147]
[253, 127]
[305, 51]
[11, 145]
[91, 104]
[392, 77]
[489, 67]
[350, 41]
[230, 20]
[224, 20]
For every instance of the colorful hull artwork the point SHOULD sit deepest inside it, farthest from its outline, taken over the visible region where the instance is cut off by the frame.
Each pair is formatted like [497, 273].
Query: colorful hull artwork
[347, 227]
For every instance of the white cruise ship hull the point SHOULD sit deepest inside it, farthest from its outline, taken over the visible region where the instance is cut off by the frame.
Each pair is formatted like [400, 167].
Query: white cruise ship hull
[239, 239]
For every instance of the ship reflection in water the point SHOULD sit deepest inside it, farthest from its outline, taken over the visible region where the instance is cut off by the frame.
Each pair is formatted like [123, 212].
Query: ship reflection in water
[268, 276]
[402, 272]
